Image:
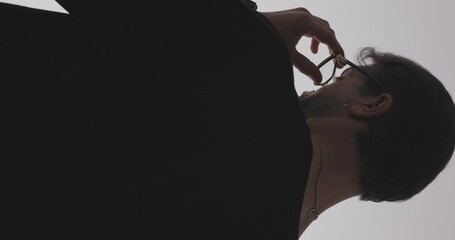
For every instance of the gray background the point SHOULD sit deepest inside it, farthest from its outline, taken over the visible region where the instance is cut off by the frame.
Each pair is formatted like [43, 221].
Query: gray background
[420, 30]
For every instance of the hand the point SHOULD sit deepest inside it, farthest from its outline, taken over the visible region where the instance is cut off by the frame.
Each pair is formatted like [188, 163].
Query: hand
[293, 25]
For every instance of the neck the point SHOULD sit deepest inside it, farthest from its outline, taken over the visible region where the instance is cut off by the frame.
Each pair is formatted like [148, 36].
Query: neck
[334, 149]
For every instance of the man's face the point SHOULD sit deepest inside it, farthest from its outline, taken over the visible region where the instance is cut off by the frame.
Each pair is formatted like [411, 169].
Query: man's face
[329, 100]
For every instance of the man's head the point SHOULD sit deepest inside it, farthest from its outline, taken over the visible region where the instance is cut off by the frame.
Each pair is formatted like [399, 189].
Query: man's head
[410, 134]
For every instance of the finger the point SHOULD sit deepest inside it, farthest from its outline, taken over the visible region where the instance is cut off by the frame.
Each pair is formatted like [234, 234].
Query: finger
[305, 66]
[323, 22]
[324, 34]
[302, 9]
[327, 24]
[314, 42]
[314, 45]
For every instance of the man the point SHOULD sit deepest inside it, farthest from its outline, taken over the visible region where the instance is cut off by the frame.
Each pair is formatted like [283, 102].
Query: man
[381, 131]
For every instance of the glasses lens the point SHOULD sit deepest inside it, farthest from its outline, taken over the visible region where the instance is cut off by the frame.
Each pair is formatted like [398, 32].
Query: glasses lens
[327, 71]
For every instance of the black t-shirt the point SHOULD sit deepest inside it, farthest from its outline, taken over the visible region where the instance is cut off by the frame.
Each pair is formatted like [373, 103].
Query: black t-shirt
[178, 116]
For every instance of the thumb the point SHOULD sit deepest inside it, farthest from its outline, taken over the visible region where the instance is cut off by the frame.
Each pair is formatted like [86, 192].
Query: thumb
[305, 66]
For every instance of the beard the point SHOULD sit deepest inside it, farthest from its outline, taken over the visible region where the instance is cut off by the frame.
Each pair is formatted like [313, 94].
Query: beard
[319, 105]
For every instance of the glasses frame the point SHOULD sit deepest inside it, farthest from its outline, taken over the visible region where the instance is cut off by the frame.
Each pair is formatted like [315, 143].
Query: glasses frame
[342, 60]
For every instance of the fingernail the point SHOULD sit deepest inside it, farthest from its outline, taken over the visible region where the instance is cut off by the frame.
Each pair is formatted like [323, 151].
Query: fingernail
[316, 79]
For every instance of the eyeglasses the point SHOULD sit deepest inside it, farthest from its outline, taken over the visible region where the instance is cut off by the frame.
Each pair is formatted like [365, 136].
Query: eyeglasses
[329, 72]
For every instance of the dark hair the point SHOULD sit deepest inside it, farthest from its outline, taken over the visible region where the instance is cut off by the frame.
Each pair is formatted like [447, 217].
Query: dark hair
[405, 149]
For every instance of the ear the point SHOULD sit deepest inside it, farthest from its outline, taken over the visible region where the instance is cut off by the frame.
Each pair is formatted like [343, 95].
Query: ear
[372, 107]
